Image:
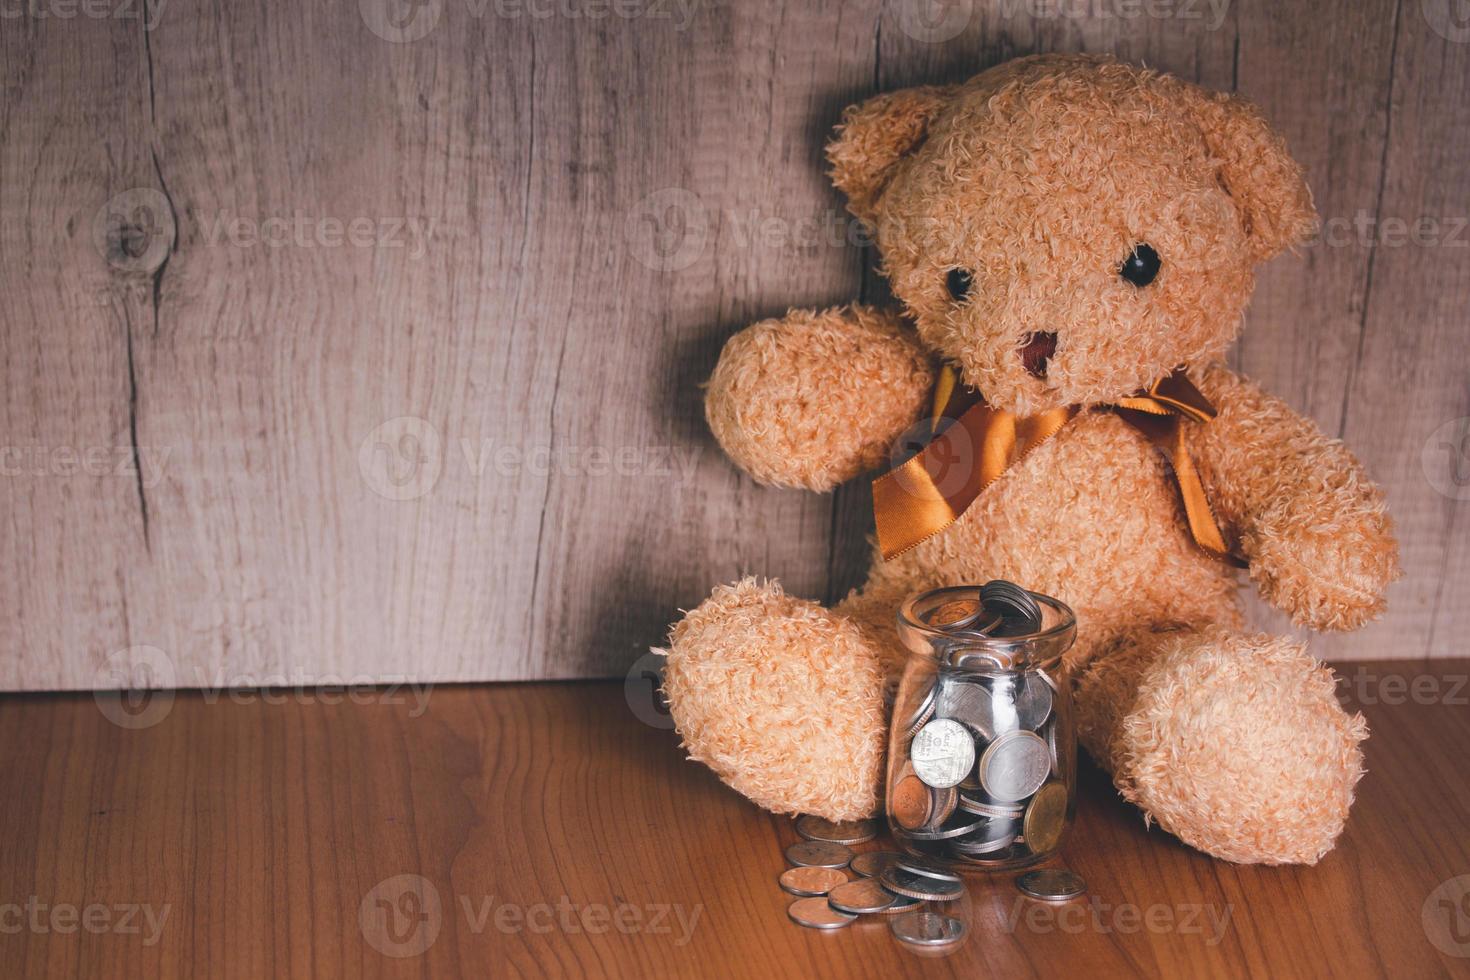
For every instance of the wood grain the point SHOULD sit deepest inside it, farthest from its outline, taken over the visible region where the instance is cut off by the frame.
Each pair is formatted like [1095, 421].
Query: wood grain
[264, 828]
[465, 442]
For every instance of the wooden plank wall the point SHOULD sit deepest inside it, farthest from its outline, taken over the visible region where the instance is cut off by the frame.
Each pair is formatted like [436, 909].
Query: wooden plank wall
[404, 308]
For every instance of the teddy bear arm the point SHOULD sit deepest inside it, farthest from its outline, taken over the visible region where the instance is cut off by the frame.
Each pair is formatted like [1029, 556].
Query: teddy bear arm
[812, 399]
[1313, 526]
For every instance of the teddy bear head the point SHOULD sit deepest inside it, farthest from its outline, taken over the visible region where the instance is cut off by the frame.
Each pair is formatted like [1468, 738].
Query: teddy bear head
[1068, 229]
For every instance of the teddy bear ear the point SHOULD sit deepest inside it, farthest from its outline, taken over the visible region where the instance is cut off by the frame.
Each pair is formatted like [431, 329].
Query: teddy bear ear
[1258, 173]
[874, 135]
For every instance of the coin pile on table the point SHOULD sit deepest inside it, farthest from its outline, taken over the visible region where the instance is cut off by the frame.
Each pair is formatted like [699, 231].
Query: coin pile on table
[887, 883]
[981, 782]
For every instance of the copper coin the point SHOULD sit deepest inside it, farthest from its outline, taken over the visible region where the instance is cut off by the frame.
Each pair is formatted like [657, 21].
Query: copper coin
[808, 882]
[862, 897]
[870, 864]
[911, 802]
[815, 913]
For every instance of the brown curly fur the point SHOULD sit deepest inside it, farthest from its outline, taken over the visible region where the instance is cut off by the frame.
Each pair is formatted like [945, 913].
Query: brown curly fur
[1040, 176]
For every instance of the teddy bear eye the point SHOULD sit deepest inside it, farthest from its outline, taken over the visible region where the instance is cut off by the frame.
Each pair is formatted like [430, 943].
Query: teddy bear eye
[959, 282]
[1142, 265]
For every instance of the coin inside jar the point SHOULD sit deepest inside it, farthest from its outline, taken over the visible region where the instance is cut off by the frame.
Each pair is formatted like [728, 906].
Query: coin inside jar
[837, 832]
[1046, 817]
[808, 882]
[911, 802]
[942, 753]
[1014, 766]
[928, 929]
[924, 887]
[817, 913]
[862, 897]
[818, 854]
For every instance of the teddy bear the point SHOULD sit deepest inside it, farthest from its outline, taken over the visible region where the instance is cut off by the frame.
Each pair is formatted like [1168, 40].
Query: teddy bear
[1065, 236]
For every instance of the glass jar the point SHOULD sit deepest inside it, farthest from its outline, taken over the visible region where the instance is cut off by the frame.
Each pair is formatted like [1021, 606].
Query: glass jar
[982, 754]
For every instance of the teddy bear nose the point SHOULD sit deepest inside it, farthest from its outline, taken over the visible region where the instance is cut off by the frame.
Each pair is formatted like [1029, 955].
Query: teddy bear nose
[1036, 351]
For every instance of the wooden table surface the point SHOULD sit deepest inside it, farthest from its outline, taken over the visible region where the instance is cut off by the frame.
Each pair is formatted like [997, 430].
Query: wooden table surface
[550, 829]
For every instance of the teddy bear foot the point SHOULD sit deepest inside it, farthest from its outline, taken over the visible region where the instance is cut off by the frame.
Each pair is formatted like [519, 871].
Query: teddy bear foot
[1236, 744]
[782, 698]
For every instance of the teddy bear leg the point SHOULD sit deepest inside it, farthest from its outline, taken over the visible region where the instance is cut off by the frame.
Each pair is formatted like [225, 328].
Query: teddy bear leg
[782, 698]
[1234, 743]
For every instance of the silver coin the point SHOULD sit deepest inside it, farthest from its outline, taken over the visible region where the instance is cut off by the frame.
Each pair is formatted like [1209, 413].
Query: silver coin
[901, 904]
[835, 831]
[862, 897]
[985, 808]
[965, 824]
[1033, 699]
[967, 702]
[817, 913]
[922, 712]
[1014, 766]
[928, 929]
[924, 887]
[870, 864]
[926, 867]
[818, 854]
[1051, 743]
[1052, 884]
[942, 752]
[982, 845]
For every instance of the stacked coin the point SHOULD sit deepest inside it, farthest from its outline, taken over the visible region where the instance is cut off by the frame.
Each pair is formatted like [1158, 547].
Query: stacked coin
[888, 883]
[980, 781]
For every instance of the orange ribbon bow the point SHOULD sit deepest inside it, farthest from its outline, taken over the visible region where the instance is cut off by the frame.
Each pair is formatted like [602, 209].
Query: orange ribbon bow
[930, 491]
